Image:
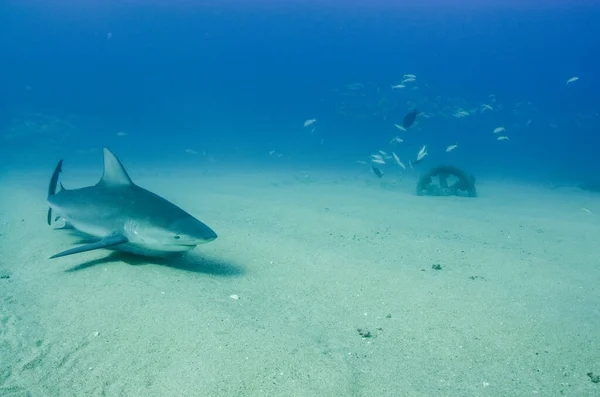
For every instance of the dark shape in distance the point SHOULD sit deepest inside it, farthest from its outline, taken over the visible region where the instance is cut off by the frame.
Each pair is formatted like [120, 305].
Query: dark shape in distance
[376, 171]
[465, 183]
[409, 119]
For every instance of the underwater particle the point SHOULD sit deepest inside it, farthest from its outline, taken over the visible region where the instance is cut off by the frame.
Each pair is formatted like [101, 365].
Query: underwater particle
[190, 151]
[121, 133]
[96, 333]
[355, 86]
[234, 297]
[451, 147]
[436, 266]
[364, 333]
[309, 122]
[502, 138]
[572, 80]
[499, 129]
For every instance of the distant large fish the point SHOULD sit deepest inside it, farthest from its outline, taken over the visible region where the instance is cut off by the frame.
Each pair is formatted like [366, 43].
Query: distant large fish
[409, 119]
[377, 171]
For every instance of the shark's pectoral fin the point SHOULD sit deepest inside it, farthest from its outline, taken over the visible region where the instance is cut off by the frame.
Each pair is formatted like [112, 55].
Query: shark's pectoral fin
[109, 241]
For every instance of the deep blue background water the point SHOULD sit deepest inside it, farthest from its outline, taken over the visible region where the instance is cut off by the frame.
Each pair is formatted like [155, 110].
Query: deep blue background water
[238, 79]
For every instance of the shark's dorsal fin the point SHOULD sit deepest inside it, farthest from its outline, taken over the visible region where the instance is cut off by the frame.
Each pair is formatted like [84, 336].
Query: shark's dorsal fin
[114, 173]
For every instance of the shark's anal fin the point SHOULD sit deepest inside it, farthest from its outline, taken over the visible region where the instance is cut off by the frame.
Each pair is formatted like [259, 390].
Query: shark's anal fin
[109, 241]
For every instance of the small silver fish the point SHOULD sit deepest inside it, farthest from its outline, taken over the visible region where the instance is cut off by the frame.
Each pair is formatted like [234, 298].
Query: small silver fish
[451, 147]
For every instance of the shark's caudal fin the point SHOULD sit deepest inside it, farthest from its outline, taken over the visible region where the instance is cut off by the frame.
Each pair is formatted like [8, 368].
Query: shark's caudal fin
[52, 187]
[109, 241]
[114, 173]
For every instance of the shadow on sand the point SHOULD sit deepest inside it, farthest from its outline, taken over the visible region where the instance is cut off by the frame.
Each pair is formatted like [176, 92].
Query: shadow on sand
[189, 262]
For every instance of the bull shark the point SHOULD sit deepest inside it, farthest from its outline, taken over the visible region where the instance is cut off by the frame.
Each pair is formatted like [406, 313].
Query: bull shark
[124, 216]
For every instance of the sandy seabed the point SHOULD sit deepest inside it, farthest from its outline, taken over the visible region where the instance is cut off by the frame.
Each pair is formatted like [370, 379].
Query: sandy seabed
[340, 292]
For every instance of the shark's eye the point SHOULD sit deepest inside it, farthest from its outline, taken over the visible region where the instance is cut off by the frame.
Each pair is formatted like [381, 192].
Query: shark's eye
[177, 237]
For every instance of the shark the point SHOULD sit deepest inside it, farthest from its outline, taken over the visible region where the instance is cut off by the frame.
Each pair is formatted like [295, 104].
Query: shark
[118, 214]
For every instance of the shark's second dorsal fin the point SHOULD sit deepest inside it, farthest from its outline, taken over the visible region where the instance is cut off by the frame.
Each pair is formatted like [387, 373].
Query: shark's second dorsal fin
[114, 172]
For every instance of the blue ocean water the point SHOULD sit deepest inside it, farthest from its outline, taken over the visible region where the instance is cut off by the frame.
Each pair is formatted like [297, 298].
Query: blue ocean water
[237, 79]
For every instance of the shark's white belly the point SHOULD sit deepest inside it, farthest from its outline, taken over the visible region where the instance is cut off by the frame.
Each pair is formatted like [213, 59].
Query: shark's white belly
[135, 246]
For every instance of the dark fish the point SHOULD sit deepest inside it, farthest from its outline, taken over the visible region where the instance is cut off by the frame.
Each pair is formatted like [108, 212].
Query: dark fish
[409, 119]
[377, 171]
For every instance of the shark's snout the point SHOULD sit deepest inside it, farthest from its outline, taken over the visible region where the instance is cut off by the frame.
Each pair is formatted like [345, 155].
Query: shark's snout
[190, 231]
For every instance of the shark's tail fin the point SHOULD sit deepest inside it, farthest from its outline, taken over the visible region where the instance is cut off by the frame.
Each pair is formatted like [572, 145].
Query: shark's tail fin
[52, 187]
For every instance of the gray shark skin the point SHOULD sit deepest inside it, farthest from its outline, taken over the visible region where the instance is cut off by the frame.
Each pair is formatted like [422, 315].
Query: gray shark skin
[124, 216]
